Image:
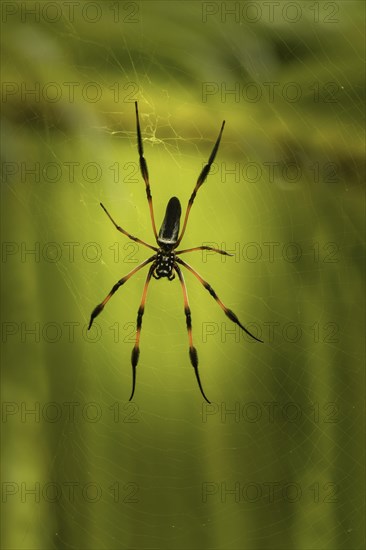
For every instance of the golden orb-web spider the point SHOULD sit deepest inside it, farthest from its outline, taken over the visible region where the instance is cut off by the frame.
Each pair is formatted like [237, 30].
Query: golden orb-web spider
[165, 259]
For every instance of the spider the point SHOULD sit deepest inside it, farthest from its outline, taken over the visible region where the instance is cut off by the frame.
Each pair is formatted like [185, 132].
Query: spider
[165, 261]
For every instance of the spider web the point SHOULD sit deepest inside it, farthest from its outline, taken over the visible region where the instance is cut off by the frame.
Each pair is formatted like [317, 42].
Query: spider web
[276, 460]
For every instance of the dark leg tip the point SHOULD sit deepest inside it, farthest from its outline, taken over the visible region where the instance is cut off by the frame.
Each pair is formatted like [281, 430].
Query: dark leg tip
[94, 314]
[234, 318]
[135, 356]
[194, 360]
[193, 357]
[133, 373]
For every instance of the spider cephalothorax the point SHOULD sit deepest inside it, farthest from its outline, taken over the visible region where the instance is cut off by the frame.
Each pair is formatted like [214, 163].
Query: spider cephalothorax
[164, 264]
[165, 261]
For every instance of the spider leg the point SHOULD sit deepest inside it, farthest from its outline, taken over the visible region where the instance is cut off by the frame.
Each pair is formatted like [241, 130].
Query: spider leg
[144, 171]
[201, 179]
[99, 308]
[136, 349]
[204, 248]
[228, 312]
[119, 228]
[192, 350]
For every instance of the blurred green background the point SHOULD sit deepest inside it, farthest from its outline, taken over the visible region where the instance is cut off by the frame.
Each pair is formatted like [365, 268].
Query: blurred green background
[276, 461]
